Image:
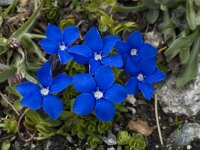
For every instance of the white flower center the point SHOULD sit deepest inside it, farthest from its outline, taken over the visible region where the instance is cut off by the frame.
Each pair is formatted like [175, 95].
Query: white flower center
[44, 91]
[140, 77]
[62, 47]
[98, 94]
[133, 52]
[97, 56]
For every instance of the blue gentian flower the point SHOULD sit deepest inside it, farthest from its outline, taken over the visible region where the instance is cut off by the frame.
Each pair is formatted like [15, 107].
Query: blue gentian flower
[143, 74]
[36, 96]
[58, 42]
[134, 48]
[100, 49]
[98, 93]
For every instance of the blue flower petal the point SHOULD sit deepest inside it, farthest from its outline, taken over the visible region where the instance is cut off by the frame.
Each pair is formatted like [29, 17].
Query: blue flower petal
[32, 100]
[64, 56]
[135, 39]
[52, 106]
[70, 34]
[26, 87]
[147, 50]
[104, 77]
[93, 66]
[80, 50]
[105, 110]
[122, 47]
[108, 43]
[84, 83]
[113, 60]
[116, 93]
[44, 74]
[146, 89]
[132, 68]
[80, 59]
[54, 33]
[50, 47]
[156, 76]
[60, 82]
[131, 86]
[148, 66]
[84, 104]
[136, 58]
[93, 40]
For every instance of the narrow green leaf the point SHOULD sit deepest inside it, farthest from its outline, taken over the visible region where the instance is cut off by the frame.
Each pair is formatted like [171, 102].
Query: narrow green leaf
[181, 42]
[152, 15]
[184, 55]
[190, 69]
[124, 9]
[4, 75]
[29, 44]
[190, 15]
[5, 13]
[198, 18]
[28, 24]
[197, 2]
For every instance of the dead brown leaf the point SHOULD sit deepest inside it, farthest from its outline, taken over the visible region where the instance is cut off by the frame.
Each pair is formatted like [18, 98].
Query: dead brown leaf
[141, 127]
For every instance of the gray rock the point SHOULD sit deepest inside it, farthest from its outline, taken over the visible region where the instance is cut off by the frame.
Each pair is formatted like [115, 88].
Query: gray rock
[111, 148]
[180, 101]
[187, 133]
[131, 99]
[110, 140]
[5, 2]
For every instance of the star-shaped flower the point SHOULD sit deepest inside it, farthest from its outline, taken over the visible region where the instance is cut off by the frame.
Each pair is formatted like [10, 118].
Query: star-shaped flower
[58, 42]
[135, 49]
[98, 93]
[100, 48]
[143, 74]
[40, 95]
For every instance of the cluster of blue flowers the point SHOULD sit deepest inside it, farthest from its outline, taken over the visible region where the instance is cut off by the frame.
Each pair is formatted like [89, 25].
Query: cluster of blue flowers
[98, 91]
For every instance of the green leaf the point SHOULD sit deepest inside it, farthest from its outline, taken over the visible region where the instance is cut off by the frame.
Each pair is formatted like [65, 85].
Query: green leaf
[5, 13]
[152, 15]
[28, 24]
[32, 118]
[190, 69]
[10, 125]
[5, 146]
[184, 55]
[107, 3]
[123, 9]
[4, 75]
[197, 2]
[198, 18]
[123, 138]
[29, 44]
[179, 43]
[190, 15]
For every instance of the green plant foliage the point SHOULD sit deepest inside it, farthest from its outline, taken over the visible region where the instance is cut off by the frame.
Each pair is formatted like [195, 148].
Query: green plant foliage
[123, 138]
[88, 128]
[10, 125]
[5, 146]
[51, 12]
[46, 127]
[134, 142]
[137, 142]
[190, 68]
[66, 22]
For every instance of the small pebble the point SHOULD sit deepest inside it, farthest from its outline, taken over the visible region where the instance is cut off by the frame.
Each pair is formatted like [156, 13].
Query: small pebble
[111, 148]
[189, 146]
[33, 146]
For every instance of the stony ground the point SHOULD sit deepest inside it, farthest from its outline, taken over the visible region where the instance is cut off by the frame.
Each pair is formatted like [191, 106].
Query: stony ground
[178, 109]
